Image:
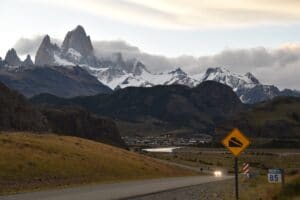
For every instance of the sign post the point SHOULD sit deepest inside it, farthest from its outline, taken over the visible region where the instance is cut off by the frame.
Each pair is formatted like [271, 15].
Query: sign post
[236, 142]
[236, 173]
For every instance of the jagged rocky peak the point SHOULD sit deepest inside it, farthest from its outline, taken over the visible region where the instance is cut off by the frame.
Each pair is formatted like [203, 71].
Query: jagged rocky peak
[218, 74]
[139, 67]
[133, 65]
[177, 71]
[252, 78]
[227, 77]
[12, 58]
[235, 81]
[28, 61]
[77, 40]
[219, 70]
[46, 52]
[2, 62]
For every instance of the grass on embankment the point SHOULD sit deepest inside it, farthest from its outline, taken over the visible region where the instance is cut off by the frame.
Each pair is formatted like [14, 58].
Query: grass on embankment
[259, 189]
[290, 191]
[260, 161]
[30, 161]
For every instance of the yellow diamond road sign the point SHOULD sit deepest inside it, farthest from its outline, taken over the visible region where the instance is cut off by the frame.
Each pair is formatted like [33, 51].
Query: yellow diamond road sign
[236, 142]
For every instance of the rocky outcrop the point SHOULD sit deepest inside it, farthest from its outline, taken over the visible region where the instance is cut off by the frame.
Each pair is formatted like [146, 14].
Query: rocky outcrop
[78, 49]
[138, 67]
[27, 62]
[252, 78]
[181, 78]
[46, 53]
[78, 41]
[258, 93]
[12, 59]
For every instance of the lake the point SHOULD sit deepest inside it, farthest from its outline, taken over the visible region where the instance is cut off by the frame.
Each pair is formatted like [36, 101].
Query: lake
[161, 149]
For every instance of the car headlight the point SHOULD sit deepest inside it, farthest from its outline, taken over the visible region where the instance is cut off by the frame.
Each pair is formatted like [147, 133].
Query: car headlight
[217, 173]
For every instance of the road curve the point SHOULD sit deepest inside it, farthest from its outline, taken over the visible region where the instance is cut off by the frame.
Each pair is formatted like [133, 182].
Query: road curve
[116, 190]
[196, 169]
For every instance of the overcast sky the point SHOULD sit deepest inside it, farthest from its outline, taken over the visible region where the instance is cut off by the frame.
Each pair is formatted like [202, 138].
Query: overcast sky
[260, 36]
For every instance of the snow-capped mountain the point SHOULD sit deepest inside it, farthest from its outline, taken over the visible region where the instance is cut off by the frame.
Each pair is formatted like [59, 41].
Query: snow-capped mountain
[122, 79]
[235, 81]
[76, 49]
[114, 71]
[117, 72]
[246, 86]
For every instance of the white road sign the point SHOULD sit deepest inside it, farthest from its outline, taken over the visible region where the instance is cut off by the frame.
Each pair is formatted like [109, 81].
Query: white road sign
[275, 176]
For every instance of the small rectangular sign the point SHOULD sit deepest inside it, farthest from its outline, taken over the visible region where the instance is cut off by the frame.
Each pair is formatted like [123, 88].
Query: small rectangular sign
[274, 176]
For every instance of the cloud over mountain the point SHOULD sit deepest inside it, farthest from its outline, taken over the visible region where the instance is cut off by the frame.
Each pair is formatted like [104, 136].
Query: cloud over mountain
[26, 46]
[280, 66]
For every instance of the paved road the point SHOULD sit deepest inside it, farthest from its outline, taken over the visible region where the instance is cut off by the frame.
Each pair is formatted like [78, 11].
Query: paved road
[208, 191]
[196, 169]
[116, 190]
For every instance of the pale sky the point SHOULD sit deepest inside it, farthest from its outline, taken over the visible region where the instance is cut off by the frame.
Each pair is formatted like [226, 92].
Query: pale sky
[168, 27]
[221, 29]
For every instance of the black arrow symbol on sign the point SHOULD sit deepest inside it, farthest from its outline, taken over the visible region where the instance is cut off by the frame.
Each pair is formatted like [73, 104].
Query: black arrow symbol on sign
[234, 142]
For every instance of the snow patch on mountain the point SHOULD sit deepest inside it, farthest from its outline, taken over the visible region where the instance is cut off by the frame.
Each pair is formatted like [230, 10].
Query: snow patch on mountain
[144, 78]
[235, 81]
[74, 54]
[117, 72]
[61, 61]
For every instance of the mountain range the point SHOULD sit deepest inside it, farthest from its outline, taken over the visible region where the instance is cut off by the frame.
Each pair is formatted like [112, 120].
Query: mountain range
[163, 108]
[116, 72]
[210, 108]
